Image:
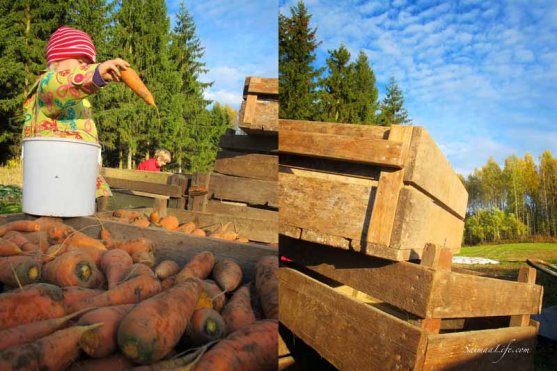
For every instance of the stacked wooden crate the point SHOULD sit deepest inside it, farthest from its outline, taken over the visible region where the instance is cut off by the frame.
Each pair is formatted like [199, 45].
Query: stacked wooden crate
[243, 186]
[388, 195]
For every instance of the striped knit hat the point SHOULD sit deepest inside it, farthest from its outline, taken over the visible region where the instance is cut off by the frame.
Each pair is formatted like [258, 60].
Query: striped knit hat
[67, 42]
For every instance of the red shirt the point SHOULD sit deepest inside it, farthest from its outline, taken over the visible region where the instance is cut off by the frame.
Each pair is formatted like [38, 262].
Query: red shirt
[149, 165]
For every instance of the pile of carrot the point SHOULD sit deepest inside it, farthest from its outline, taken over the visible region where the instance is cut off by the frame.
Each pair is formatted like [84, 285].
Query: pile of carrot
[73, 301]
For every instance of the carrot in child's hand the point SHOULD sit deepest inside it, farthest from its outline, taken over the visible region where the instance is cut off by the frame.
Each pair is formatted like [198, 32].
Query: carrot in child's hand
[166, 268]
[133, 81]
[228, 274]
[19, 270]
[114, 264]
[237, 312]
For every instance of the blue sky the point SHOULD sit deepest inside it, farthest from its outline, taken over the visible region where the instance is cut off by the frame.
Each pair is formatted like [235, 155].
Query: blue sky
[240, 39]
[481, 76]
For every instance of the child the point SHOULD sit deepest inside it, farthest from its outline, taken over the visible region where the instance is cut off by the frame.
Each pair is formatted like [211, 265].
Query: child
[57, 105]
[162, 157]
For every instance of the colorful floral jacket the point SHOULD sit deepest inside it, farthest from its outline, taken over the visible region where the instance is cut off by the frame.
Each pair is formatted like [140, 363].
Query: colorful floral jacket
[57, 106]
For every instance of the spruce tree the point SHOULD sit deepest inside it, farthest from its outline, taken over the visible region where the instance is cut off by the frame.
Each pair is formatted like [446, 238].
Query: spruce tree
[336, 93]
[392, 107]
[365, 105]
[298, 79]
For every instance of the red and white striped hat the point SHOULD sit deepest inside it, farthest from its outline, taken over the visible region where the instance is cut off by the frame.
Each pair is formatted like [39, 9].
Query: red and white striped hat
[67, 42]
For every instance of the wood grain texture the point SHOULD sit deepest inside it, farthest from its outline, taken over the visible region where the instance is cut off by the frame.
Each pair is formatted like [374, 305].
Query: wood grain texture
[341, 147]
[251, 191]
[259, 115]
[248, 165]
[250, 143]
[527, 275]
[137, 175]
[468, 350]
[357, 131]
[336, 326]
[135, 185]
[199, 202]
[261, 85]
[249, 110]
[427, 168]
[219, 207]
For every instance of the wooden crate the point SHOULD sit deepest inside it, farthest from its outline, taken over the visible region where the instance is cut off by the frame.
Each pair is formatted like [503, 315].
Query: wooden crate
[259, 110]
[365, 313]
[381, 191]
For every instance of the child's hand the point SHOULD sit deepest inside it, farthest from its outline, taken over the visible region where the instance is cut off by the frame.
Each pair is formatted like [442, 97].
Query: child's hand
[110, 70]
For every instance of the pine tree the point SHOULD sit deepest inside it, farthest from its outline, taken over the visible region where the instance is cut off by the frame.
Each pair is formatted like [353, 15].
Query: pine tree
[364, 108]
[392, 107]
[336, 89]
[298, 79]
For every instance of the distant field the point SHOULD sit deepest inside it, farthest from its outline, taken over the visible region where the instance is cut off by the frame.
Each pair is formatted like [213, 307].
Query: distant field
[513, 251]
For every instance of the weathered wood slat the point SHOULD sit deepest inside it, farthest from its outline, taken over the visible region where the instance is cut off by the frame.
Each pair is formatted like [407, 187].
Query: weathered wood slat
[469, 350]
[251, 191]
[340, 147]
[198, 202]
[250, 143]
[160, 189]
[428, 169]
[249, 109]
[261, 85]
[363, 131]
[249, 165]
[527, 275]
[244, 211]
[336, 325]
[137, 175]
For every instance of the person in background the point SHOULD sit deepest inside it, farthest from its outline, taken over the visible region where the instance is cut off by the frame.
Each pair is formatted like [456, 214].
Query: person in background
[57, 105]
[161, 158]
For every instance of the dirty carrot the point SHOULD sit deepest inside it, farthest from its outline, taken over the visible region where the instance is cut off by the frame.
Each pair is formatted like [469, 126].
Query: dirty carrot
[205, 325]
[141, 222]
[228, 274]
[19, 226]
[169, 222]
[67, 236]
[115, 362]
[19, 270]
[187, 227]
[130, 215]
[238, 312]
[114, 264]
[134, 245]
[144, 257]
[128, 292]
[266, 283]
[72, 268]
[133, 81]
[154, 217]
[152, 329]
[20, 240]
[31, 303]
[101, 342]
[217, 296]
[39, 238]
[199, 232]
[47, 222]
[251, 348]
[199, 266]
[73, 294]
[138, 269]
[166, 268]
[8, 248]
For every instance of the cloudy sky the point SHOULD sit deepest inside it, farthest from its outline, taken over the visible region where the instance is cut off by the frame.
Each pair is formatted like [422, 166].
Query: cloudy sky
[240, 39]
[480, 75]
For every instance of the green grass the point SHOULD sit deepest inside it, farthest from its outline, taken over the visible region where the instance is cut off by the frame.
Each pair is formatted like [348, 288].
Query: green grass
[513, 251]
[10, 199]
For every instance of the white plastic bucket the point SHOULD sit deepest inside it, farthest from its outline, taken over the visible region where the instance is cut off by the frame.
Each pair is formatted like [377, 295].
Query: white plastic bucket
[59, 176]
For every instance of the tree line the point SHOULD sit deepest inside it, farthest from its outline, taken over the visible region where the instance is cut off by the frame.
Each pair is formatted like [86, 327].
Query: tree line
[341, 91]
[169, 61]
[513, 202]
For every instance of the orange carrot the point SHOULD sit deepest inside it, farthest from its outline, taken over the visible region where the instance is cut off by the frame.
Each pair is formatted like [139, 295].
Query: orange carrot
[31, 303]
[39, 238]
[115, 362]
[144, 257]
[19, 270]
[133, 81]
[19, 226]
[130, 215]
[199, 266]
[114, 264]
[154, 217]
[169, 222]
[166, 268]
[251, 348]
[217, 296]
[47, 222]
[68, 236]
[199, 232]
[53, 352]
[228, 274]
[101, 342]
[20, 240]
[32, 331]
[204, 301]
[134, 245]
[105, 235]
[141, 222]
[128, 292]
[154, 326]
[138, 269]
[205, 325]
[8, 248]
[73, 294]
[168, 282]
[266, 283]
[238, 312]
[73, 268]
[188, 227]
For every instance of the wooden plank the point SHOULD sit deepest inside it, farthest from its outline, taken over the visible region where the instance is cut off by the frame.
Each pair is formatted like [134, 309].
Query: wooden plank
[528, 275]
[328, 205]
[261, 85]
[456, 295]
[264, 116]
[248, 165]
[198, 202]
[251, 191]
[249, 109]
[428, 169]
[358, 131]
[337, 327]
[388, 190]
[143, 176]
[218, 207]
[250, 143]
[499, 349]
[181, 181]
[420, 220]
[160, 189]
[341, 147]
[402, 284]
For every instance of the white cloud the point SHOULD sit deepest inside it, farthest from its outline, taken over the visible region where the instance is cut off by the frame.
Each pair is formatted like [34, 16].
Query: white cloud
[232, 98]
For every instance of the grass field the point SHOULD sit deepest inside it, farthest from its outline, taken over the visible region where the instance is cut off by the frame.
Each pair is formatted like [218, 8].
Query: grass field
[11, 180]
[512, 257]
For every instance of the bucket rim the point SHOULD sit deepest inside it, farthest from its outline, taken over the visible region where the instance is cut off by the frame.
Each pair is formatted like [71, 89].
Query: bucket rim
[56, 139]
